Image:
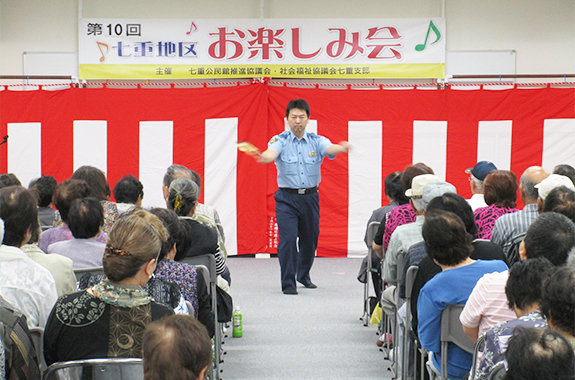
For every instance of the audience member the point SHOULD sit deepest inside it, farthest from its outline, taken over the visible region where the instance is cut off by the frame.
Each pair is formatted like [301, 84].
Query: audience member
[108, 319]
[401, 214]
[66, 193]
[558, 303]
[99, 189]
[535, 354]
[482, 249]
[24, 283]
[60, 267]
[566, 170]
[396, 197]
[177, 347]
[18, 357]
[448, 243]
[9, 179]
[550, 183]
[128, 193]
[477, 175]
[182, 198]
[203, 214]
[191, 282]
[85, 220]
[552, 236]
[524, 291]
[43, 188]
[561, 200]
[510, 229]
[500, 188]
[425, 186]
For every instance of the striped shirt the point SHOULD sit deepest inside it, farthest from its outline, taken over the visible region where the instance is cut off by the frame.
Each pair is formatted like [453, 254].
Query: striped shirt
[511, 228]
[487, 304]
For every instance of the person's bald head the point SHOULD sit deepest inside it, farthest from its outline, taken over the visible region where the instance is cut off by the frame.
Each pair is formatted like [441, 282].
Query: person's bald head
[531, 177]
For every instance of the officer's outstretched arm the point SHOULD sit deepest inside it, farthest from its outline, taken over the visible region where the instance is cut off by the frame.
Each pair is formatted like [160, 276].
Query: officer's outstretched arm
[267, 156]
[334, 149]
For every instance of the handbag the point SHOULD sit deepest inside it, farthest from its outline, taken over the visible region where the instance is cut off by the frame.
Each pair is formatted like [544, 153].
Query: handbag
[225, 305]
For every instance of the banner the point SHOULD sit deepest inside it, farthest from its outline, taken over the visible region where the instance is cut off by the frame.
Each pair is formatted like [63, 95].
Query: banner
[143, 131]
[246, 48]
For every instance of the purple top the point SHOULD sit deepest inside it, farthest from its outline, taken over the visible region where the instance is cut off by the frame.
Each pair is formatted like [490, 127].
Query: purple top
[61, 233]
[400, 215]
[485, 218]
[182, 274]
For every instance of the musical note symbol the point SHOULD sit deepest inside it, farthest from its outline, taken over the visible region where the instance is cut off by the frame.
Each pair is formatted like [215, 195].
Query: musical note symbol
[100, 45]
[193, 28]
[421, 47]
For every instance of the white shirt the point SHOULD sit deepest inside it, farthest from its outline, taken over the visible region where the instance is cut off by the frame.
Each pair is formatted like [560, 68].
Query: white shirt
[477, 201]
[27, 285]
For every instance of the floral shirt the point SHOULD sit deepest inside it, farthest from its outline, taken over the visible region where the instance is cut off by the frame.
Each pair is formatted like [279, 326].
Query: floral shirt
[182, 274]
[496, 341]
[485, 217]
[400, 215]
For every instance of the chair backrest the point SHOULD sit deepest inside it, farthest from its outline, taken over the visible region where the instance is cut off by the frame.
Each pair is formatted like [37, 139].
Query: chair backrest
[205, 272]
[452, 331]
[410, 279]
[208, 260]
[96, 369]
[93, 271]
[37, 335]
[497, 372]
[371, 231]
[479, 345]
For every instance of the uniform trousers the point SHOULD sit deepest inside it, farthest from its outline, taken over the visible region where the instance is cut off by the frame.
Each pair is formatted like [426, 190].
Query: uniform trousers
[297, 216]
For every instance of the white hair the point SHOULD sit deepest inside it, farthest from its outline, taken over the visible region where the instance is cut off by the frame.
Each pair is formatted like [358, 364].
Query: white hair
[478, 182]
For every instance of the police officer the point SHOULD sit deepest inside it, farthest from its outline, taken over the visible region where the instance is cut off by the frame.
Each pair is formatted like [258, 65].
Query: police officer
[298, 156]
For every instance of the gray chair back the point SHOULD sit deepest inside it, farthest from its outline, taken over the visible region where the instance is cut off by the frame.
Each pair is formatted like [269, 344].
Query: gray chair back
[96, 369]
[37, 335]
[93, 271]
[452, 331]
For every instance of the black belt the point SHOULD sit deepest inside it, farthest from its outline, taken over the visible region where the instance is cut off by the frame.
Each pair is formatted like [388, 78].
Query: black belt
[300, 191]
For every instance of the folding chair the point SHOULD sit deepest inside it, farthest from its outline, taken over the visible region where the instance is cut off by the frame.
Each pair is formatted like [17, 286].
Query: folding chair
[96, 369]
[497, 372]
[93, 271]
[208, 262]
[452, 331]
[371, 231]
[37, 335]
[409, 279]
[479, 346]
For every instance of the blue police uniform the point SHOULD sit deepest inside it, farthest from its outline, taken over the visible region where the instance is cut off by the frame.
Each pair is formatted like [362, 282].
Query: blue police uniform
[297, 202]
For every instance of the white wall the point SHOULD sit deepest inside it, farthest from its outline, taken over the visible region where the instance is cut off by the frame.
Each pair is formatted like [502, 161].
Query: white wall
[542, 32]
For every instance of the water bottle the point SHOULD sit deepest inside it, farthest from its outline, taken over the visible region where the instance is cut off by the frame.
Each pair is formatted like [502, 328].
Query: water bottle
[237, 323]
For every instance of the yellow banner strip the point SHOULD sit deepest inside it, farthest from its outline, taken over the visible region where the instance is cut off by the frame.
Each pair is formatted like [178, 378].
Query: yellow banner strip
[167, 72]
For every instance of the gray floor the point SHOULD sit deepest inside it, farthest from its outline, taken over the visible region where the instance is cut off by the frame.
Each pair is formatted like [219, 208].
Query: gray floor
[316, 334]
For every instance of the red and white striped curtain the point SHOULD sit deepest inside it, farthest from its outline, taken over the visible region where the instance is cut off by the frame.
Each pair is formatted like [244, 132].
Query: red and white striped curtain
[142, 131]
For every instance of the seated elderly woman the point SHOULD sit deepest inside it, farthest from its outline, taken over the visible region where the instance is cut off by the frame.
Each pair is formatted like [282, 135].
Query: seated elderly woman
[66, 193]
[108, 319]
[183, 198]
[500, 188]
[99, 189]
[192, 284]
[449, 245]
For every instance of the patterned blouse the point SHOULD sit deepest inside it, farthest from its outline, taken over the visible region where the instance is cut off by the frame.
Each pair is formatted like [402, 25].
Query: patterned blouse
[485, 217]
[399, 216]
[496, 341]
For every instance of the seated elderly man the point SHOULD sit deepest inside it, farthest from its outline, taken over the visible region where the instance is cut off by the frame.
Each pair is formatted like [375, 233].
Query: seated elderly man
[524, 291]
[177, 347]
[449, 245]
[476, 178]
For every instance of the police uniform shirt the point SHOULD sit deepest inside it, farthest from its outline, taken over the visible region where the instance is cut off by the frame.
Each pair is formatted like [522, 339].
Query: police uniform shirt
[299, 161]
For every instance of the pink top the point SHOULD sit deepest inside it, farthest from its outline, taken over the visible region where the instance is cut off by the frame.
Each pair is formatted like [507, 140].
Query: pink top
[487, 304]
[400, 215]
[485, 218]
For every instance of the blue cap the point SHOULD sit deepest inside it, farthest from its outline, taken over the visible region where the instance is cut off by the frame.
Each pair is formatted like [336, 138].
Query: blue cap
[481, 169]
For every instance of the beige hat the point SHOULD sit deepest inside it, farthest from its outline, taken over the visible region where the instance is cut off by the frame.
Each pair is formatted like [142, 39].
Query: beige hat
[552, 182]
[418, 183]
